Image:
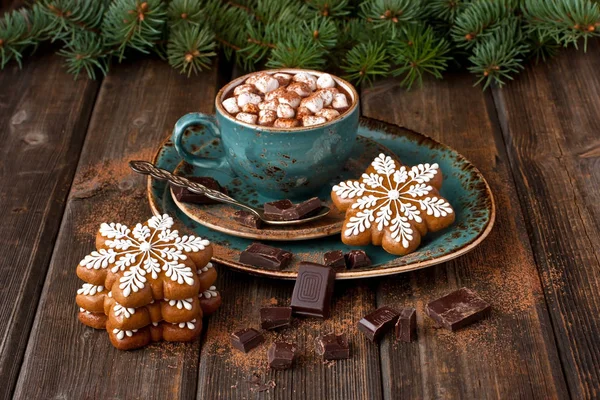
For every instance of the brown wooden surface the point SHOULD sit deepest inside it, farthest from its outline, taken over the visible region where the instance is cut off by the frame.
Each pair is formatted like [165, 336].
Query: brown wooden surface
[536, 142]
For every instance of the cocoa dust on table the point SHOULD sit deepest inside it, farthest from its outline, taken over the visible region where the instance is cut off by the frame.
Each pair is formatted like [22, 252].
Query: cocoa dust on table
[109, 191]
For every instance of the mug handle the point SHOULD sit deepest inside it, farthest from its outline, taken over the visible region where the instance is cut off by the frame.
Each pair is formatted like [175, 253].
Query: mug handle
[209, 122]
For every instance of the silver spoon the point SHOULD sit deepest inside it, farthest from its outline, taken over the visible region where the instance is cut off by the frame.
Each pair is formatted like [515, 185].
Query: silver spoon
[147, 168]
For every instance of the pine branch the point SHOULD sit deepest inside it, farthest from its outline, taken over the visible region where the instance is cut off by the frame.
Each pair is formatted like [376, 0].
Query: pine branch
[330, 8]
[190, 48]
[481, 19]
[365, 62]
[86, 52]
[20, 30]
[392, 15]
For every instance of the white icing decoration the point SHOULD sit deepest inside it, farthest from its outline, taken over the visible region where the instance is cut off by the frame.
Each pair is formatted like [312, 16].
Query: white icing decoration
[83, 310]
[155, 324]
[126, 312]
[181, 304]
[189, 324]
[145, 250]
[205, 268]
[110, 294]
[211, 292]
[391, 191]
[121, 334]
[89, 290]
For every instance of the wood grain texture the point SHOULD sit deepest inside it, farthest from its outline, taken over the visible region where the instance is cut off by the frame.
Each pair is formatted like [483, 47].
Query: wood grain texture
[550, 119]
[137, 106]
[513, 354]
[43, 120]
[227, 374]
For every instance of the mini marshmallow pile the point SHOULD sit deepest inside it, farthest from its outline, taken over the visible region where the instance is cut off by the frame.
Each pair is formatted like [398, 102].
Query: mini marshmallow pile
[286, 101]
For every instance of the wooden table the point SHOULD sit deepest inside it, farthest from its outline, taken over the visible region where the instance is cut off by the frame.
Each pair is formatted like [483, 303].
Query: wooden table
[537, 142]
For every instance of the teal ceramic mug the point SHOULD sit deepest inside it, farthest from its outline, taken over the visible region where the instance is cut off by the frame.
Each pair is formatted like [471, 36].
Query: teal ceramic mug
[277, 162]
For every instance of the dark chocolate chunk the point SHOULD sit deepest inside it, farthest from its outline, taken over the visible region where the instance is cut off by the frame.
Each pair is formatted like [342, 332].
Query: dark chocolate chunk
[285, 210]
[357, 259]
[281, 355]
[334, 259]
[248, 219]
[374, 324]
[275, 317]
[333, 347]
[458, 309]
[275, 210]
[246, 339]
[406, 327]
[185, 196]
[261, 255]
[313, 290]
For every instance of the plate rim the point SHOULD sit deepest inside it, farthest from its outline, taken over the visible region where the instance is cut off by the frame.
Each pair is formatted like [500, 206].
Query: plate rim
[382, 269]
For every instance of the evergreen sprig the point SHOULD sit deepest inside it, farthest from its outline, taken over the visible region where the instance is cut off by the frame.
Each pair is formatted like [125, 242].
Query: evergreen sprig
[362, 39]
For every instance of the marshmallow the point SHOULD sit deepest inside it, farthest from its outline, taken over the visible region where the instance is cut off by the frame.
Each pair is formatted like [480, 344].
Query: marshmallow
[251, 80]
[309, 79]
[245, 88]
[326, 95]
[250, 108]
[285, 111]
[339, 101]
[275, 93]
[300, 88]
[291, 98]
[302, 112]
[286, 123]
[266, 83]
[231, 106]
[328, 113]
[313, 103]
[246, 98]
[325, 81]
[283, 79]
[310, 120]
[247, 118]
[269, 105]
[266, 117]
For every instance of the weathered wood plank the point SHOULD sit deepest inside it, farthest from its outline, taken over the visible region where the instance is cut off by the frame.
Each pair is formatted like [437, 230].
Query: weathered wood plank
[550, 118]
[513, 354]
[43, 120]
[136, 109]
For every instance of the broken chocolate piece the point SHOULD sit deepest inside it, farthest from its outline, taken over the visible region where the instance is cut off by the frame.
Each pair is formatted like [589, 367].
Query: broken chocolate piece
[406, 327]
[246, 339]
[333, 347]
[357, 259]
[248, 219]
[261, 255]
[374, 324]
[305, 208]
[275, 210]
[275, 317]
[186, 196]
[281, 355]
[313, 290]
[458, 309]
[334, 259]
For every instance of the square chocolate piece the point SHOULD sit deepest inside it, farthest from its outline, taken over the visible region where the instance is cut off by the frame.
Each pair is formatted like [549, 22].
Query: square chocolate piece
[335, 259]
[246, 339]
[313, 290]
[458, 309]
[281, 355]
[275, 317]
[333, 347]
[406, 327]
[374, 324]
[277, 210]
[185, 196]
[357, 259]
[248, 219]
[261, 255]
[305, 208]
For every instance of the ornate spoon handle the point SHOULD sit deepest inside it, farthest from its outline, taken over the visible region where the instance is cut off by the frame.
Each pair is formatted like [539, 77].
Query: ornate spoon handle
[147, 168]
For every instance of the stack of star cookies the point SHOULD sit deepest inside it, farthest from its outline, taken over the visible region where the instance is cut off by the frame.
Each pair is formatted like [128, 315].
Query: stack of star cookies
[147, 284]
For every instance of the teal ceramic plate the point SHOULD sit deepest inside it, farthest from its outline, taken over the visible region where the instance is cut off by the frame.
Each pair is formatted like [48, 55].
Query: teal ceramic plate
[464, 187]
[220, 216]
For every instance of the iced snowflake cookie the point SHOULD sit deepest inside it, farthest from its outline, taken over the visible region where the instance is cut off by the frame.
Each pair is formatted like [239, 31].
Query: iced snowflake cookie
[392, 205]
[146, 284]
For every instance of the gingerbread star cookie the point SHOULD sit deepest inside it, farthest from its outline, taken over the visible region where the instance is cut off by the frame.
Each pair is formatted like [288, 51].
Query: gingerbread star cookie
[392, 205]
[147, 284]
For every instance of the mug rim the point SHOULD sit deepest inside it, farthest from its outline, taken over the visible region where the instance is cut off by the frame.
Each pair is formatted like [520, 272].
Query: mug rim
[342, 82]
